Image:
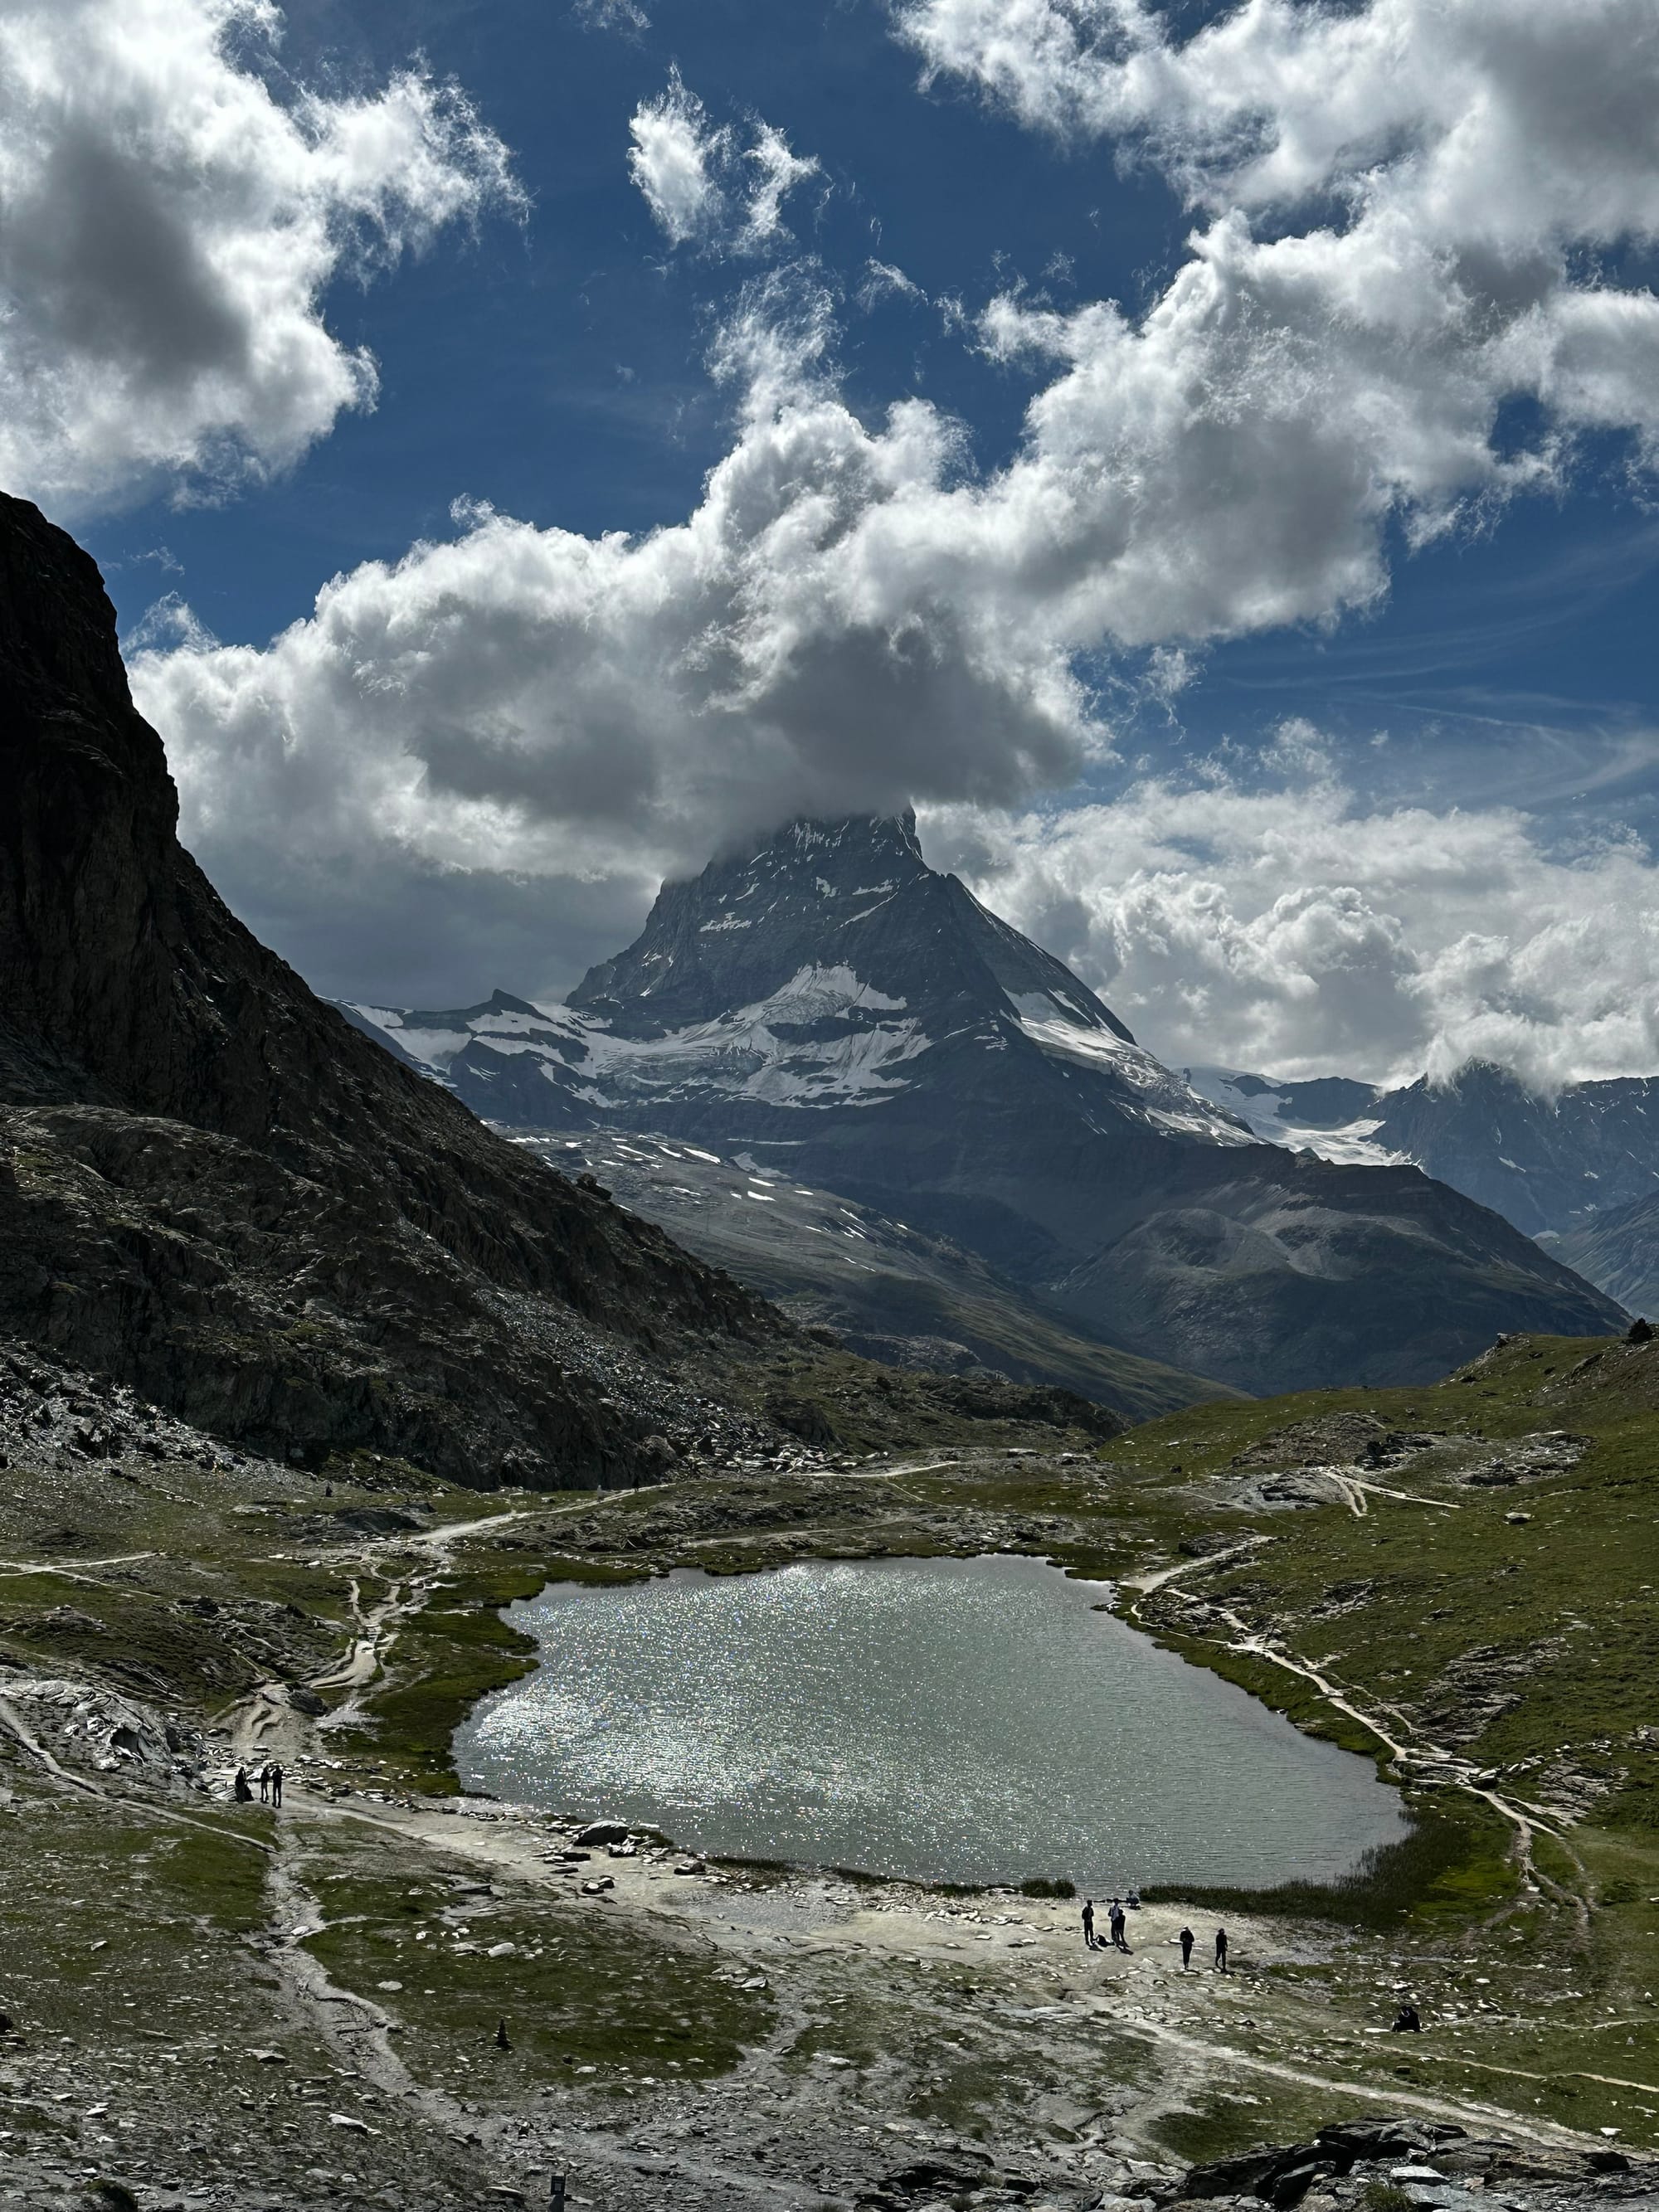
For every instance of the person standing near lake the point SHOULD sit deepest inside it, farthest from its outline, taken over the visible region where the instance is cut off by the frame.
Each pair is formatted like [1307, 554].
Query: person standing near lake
[1186, 1949]
[1221, 1950]
[1088, 1924]
[276, 1784]
[1119, 1942]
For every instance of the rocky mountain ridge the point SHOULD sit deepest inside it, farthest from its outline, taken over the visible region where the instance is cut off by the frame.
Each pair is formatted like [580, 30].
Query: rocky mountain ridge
[885, 1289]
[1578, 1170]
[824, 1008]
[1617, 1250]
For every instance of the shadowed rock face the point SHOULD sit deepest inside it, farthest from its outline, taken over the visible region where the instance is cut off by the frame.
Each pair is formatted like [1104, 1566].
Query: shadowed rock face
[211, 1185]
[1619, 1250]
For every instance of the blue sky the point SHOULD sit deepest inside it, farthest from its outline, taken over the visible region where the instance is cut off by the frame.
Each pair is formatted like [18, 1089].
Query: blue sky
[559, 369]
[1381, 805]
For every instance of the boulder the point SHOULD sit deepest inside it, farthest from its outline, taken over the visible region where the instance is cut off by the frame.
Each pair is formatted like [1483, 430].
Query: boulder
[942, 2176]
[1251, 2173]
[1292, 2184]
[1376, 2136]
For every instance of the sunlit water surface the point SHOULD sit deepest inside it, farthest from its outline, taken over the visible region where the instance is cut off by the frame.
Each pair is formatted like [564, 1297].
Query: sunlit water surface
[950, 1720]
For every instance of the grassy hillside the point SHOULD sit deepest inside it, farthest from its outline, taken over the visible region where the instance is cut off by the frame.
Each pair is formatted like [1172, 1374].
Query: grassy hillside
[1471, 1569]
[1510, 1616]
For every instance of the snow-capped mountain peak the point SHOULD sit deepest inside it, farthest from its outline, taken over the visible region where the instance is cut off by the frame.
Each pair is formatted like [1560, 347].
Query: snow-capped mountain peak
[827, 967]
[828, 1012]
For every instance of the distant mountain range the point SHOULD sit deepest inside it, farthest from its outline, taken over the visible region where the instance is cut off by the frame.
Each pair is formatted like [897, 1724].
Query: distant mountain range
[824, 1012]
[1548, 1164]
[1579, 1170]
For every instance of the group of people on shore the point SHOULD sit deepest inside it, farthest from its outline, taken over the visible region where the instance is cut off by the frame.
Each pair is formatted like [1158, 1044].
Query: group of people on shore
[269, 1780]
[1118, 1940]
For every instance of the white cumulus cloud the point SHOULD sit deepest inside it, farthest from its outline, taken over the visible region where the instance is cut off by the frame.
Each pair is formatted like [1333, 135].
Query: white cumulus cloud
[1408, 215]
[701, 184]
[170, 220]
[1297, 930]
[672, 159]
[527, 703]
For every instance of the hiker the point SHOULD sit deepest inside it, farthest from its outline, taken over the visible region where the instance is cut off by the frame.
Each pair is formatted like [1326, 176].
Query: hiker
[1118, 1941]
[1405, 2021]
[1132, 1900]
[264, 1783]
[1221, 1950]
[1186, 1949]
[240, 1790]
[1088, 1924]
[276, 1785]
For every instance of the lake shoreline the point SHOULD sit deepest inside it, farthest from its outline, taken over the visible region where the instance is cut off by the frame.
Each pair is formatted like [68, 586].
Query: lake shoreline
[978, 1721]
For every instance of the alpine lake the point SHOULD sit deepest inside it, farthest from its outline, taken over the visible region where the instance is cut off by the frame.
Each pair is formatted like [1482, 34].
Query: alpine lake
[971, 1721]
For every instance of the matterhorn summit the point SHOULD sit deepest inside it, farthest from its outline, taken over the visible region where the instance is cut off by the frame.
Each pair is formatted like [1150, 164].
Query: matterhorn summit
[824, 1006]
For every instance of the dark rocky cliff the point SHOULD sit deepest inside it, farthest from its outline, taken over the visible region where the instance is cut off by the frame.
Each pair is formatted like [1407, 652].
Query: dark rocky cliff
[212, 1185]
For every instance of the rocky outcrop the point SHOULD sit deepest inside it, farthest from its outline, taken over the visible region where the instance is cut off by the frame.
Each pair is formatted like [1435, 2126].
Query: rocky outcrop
[1430, 2165]
[211, 1185]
